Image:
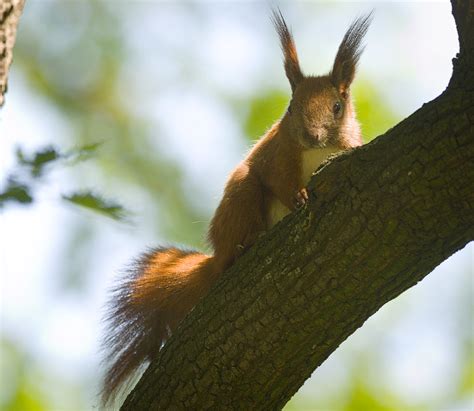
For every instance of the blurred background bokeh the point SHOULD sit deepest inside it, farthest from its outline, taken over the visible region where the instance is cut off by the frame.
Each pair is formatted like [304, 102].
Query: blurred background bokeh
[121, 123]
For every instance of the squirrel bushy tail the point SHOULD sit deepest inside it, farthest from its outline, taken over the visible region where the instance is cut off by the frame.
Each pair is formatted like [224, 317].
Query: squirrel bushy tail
[148, 304]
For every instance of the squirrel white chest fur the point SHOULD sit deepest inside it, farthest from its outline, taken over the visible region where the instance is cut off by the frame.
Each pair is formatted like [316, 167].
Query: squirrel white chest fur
[311, 160]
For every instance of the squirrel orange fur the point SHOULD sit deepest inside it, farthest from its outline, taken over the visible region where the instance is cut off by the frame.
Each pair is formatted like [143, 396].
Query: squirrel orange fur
[267, 185]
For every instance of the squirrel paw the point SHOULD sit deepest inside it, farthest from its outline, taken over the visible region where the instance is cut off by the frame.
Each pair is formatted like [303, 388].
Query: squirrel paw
[301, 198]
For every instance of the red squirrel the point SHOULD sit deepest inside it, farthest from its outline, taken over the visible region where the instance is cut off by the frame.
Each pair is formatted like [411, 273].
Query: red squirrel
[268, 184]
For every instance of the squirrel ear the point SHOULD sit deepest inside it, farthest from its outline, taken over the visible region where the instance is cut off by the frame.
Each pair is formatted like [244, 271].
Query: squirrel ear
[348, 54]
[292, 66]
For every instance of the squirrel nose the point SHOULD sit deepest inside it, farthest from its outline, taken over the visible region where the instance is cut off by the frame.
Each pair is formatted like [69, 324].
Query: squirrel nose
[317, 133]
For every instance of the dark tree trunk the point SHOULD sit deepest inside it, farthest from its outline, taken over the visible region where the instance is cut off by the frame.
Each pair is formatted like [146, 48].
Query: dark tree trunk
[381, 218]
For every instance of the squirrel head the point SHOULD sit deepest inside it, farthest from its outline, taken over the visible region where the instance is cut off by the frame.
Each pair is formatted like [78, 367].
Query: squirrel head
[320, 112]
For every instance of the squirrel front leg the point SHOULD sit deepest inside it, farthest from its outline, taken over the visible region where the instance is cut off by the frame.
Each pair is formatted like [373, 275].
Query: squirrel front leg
[301, 197]
[293, 198]
[285, 182]
[240, 217]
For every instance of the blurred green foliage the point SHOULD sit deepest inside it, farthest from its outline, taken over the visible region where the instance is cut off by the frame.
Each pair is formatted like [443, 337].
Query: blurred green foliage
[91, 98]
[29, 170]
[264, 110]
[19, 393]
[23, 390]
[39, 160]
[16, 192]
[96, 203]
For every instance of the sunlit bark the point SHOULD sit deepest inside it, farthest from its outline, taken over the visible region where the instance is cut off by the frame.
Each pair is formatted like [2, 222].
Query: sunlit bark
[10, 11]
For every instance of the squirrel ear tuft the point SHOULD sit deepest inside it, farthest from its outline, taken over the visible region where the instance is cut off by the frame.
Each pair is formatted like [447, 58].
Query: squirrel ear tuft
[348, 54]
[292, 66]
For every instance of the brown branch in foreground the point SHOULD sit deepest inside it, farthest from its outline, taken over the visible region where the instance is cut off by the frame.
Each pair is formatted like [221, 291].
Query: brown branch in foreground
[383, 217]
[10, 11]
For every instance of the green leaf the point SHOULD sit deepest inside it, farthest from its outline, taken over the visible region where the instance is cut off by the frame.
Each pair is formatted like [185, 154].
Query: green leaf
[83, 152]
[39, 160]
[97, 203]
[43, 157]
[16, 192]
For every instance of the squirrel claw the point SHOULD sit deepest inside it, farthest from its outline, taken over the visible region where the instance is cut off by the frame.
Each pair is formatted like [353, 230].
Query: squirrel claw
[301, 198]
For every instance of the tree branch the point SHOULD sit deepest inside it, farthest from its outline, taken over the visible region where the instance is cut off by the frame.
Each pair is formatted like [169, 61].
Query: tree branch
[381, 218]
[10, 11]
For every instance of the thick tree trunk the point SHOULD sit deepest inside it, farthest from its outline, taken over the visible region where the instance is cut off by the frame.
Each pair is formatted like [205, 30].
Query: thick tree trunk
[10, 11]
[381, 218]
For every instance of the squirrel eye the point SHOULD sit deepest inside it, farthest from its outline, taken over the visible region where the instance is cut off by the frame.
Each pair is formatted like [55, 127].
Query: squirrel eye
[336, 108]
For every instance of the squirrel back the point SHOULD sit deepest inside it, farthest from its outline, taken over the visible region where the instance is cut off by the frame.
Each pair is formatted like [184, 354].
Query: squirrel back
[269, 183]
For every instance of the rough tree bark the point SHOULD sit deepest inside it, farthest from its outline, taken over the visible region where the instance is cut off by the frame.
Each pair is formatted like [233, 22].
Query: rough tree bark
[10, 11]
[381, 218]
